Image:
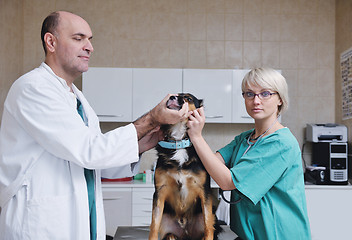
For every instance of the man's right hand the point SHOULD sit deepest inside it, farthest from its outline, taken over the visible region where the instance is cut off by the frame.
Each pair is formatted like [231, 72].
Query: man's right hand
[163, 115]
[159, 115]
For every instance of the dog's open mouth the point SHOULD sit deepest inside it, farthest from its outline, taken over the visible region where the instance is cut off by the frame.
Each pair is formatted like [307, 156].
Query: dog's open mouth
[174, 103]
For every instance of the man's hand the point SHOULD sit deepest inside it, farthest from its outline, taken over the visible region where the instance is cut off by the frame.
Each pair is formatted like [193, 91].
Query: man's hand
[150, 140]
[163, 115]
[160, 115]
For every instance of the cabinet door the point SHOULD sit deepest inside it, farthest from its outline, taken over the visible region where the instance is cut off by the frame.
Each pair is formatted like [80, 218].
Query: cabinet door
[239, 112]
[142, 206]
[109, 92]
[117, 208]
[150, 86]
[214, 86]
[329, 212]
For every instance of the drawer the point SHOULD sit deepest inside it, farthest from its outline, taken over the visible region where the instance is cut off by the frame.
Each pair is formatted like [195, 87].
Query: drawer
[142, 210]
[142, 197]
[141, 221]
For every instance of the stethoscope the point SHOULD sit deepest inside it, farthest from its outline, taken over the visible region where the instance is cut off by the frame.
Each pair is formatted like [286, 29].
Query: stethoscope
[250, 144]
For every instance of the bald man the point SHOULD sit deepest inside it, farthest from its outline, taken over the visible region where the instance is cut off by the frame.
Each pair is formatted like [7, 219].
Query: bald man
[52, 151]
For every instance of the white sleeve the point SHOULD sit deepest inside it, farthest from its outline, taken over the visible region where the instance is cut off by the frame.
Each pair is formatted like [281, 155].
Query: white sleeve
[129, 170]
[47, 116]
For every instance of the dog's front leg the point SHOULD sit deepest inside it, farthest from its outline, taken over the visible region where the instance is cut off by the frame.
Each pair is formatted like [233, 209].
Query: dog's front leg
[157, 214]
[209, 219]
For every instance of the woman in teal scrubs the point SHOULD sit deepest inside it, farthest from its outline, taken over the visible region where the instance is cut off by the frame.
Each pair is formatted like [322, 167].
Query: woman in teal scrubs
[262, 167]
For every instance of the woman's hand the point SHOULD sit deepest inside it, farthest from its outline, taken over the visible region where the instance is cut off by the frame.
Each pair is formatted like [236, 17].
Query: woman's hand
[196, 123]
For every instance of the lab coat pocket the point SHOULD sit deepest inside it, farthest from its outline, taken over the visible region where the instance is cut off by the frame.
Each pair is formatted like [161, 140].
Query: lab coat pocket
[51, 217]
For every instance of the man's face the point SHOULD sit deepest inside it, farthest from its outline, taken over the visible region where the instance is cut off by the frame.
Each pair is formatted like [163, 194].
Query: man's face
[74, 46]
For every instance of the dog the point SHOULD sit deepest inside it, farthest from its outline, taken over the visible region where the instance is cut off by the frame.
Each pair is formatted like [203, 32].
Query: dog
[183, 203]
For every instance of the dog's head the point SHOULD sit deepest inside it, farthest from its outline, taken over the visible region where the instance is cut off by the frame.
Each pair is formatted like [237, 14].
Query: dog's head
[178, 131]
[176, 102]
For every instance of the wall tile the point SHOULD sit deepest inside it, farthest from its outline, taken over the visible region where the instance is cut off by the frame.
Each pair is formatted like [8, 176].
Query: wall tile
[288, 55]
[178, 54]
[325, 55]
[217, 6]
[197, 27]
[291, 77]
[307, 83]
[271, 54]
[325, 83]
[305, 33]
[197, 6]
[159, 53]
[271, 6]
[178, 26]
[234, 27]
[252, 27]
[252, 7]
[290, 6]
[251, 54]
[310, 6]
[215, 54]
[233, 54]
[197, 54]
[215, 27]
[270, 27]
[307, 55]
[289, 28]
[234, 6]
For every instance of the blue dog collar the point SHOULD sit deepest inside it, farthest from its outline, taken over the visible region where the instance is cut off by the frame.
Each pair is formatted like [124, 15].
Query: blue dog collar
[185, 143]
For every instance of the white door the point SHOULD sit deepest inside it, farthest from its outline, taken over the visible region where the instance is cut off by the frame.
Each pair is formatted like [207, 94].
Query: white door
[239, 112]
[151, 85]
[109, 92]
[214, 86]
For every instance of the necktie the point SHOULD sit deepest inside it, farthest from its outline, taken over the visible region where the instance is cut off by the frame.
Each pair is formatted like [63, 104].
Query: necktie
[89, 175]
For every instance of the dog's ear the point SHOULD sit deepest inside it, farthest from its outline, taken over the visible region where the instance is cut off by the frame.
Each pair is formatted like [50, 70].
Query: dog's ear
[200, 101]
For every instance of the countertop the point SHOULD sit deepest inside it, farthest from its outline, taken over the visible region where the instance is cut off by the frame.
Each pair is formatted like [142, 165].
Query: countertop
[142, 233]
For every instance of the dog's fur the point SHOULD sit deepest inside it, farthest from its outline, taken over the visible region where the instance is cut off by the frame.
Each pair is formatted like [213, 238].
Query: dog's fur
[183, 203]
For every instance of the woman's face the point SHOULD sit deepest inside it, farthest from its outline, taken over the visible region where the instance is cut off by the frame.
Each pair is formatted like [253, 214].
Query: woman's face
[262, 108]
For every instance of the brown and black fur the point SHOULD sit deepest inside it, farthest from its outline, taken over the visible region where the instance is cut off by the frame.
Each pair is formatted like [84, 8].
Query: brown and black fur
[183, 203]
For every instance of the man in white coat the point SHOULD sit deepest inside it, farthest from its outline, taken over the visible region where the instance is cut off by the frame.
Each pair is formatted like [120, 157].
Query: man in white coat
[47, 148]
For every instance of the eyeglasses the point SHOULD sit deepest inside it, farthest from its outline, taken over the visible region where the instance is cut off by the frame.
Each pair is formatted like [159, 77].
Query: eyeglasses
[263, 95]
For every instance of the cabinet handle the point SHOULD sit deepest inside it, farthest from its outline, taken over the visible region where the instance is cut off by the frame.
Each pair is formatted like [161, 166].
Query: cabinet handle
[147, 198]
[110, 199]
[102, 115]
[245, 117]
[216, 116]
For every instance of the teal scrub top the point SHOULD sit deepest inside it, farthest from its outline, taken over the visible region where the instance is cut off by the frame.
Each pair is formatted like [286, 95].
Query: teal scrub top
[269, 180]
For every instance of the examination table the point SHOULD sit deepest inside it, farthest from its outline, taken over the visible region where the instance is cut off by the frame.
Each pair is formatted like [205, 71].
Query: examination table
[141, 233]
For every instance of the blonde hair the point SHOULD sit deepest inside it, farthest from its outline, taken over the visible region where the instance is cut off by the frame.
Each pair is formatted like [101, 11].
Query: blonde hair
[270, 79]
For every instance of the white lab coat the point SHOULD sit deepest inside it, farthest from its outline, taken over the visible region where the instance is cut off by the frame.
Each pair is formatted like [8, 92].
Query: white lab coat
[44, 148]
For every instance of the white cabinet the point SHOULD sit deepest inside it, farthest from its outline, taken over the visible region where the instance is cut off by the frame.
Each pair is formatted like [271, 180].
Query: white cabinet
[150, 86]
[214, 86]
[127, 204]
[142, 199]
[329, 211]
[109, 92]
[125, 94]
[117, 207]
[239, 112]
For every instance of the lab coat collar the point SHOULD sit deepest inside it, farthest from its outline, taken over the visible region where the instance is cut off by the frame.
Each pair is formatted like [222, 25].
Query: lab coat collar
[61, 80]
